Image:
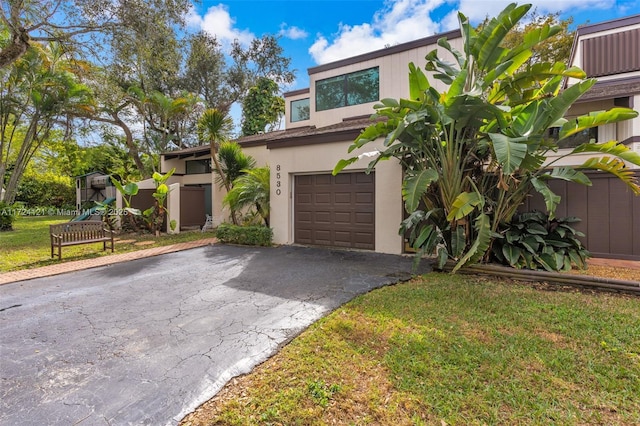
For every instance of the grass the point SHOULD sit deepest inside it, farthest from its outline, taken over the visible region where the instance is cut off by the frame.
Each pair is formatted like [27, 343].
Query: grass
[29, 244]
[453, 350]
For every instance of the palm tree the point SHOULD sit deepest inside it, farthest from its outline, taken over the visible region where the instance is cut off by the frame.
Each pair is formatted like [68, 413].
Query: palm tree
[214, 126]
[251, 189]
[233, 163]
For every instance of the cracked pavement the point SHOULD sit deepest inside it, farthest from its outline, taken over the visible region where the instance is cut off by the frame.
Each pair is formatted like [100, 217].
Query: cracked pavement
[146, 342]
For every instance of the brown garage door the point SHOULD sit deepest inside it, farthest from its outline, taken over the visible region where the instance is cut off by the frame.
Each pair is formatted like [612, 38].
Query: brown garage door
[335, 211]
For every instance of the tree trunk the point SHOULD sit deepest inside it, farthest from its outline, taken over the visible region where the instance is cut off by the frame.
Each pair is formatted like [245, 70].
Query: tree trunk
[14, 50]
[133, 148]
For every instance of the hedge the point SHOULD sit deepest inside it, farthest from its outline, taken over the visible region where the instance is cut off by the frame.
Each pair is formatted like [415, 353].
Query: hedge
[245, 235]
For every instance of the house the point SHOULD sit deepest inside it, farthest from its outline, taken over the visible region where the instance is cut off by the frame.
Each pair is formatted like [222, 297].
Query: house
[363, 211]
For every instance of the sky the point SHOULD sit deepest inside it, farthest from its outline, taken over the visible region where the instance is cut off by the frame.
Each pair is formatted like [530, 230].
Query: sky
[314, 32]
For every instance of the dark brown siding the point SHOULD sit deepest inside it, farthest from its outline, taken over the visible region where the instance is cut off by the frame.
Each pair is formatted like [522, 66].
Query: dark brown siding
[609, 211]
[612, 53]
[144, 200]
[192, 209]
[336, 211]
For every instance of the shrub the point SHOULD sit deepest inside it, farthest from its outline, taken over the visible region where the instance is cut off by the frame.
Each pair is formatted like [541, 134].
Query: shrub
[7, 216]
[48, 189]
[246, 235]
[533, 241]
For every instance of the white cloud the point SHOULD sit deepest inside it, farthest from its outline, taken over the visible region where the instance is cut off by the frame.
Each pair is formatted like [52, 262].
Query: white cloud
[217, 21]
[399, 21]
[478, 10]
[294, 33]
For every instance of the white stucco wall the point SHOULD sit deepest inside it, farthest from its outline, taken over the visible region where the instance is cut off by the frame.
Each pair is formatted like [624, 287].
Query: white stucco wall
[322, 158]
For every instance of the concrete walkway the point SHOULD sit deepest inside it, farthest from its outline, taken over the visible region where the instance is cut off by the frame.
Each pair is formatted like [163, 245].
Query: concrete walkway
[145, 342]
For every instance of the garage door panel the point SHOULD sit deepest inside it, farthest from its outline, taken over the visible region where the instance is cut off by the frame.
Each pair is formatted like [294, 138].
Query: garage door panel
[342, 198]
[364, 218]
[303, 199]
[322, 217]
[335, 211]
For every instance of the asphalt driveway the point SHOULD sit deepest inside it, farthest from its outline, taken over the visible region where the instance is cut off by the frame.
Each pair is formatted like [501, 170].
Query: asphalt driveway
[147, 341]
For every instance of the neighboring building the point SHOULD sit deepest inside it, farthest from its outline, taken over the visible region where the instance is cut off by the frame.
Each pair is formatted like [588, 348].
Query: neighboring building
[356, 210]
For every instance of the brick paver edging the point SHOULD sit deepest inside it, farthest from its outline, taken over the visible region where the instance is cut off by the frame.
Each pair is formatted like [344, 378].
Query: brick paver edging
[77, 265]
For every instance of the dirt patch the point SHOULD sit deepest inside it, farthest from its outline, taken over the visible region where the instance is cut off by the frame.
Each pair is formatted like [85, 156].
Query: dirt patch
[612, 272]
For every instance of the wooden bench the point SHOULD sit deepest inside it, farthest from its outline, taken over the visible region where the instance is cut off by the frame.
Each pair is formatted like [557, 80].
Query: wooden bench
[76, 233]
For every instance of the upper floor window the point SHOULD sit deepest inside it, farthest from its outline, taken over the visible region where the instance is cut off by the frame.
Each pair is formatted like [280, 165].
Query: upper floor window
[355, 88]
[196, 167]
[584, 136]
[300, 110]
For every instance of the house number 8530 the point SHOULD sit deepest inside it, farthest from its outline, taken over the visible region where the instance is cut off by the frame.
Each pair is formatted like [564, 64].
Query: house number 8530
[278, 182]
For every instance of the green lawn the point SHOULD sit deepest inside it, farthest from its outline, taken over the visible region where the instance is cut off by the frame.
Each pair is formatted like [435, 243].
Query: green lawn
[453, 350]
[29, 244]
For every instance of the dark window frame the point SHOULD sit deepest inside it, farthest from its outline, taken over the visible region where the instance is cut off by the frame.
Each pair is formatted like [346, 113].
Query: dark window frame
[207, 168]
[292, 109]
[345, 88]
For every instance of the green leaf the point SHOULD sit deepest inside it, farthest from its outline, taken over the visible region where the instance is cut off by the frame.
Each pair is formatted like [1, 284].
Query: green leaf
[480, 245]
[458, 241]
[491, 36]
[442, 257]
[414, 187]
[511, 254]
[131, 189]
[418, 82]
[464, 204]
[595, 119]
[569, 174]
[510, 152]
[615, 167]
[613, 148]
[342, 164]
[551, 200]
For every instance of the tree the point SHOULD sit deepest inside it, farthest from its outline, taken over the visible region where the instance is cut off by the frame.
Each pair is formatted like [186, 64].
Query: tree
[77, 24]
[221, 84]
[40, 93]
[556, 48]
[251, 189]
[214, 126]
[233, 163]
[473, 152]
[261, 107]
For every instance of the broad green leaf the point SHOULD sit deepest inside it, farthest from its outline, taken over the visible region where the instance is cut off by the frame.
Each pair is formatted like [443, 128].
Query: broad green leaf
[511, 254]
[442, 257]
[443, 42]
[510, 152]
[425, 235]
[458, 241]
[131, 189]
[569, 174]
[595, 119]
[488, 41]
[464, 204]
[551, 200]
[525, 119]
[389, 102]
[480, 245]
[613, 148]
[162, 189]
[418, 82]
[342, 164]
[615, 167]
[415, 185]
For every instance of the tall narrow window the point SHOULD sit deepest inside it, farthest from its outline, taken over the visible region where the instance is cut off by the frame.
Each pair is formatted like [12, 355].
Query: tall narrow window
[300, 110]
[355, 88]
